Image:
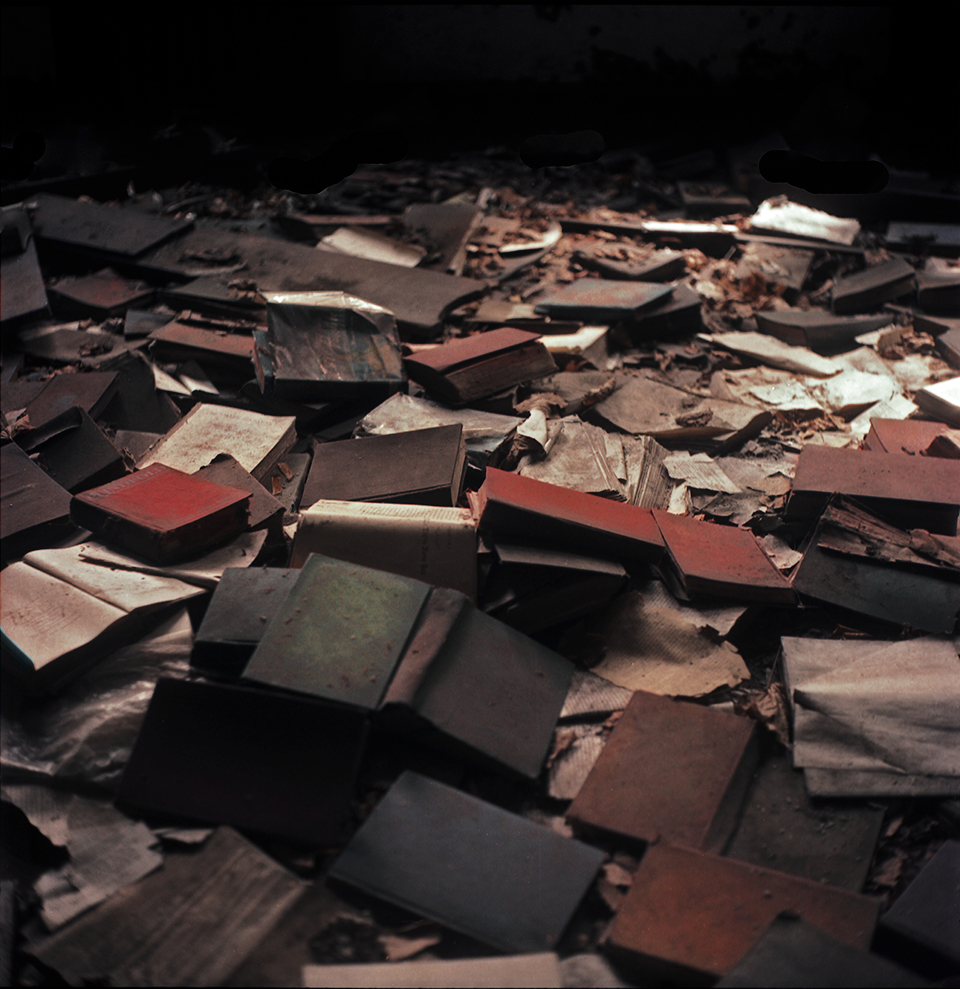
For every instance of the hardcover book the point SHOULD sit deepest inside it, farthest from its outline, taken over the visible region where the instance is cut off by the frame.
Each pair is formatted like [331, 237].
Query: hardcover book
[480, 365]
[598, 300]
[162, 514]
[420, 467]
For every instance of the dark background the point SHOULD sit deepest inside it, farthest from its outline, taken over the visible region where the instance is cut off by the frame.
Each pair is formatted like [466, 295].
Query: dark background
[126, 83]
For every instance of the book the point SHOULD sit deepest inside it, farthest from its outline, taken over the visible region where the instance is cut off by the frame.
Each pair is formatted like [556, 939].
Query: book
[598, 300]
[257, 442]
[162, 514]
[938, 287]
[327, 345]
[908, 491]
[480, 870]
[901, 435]
[870, 288]
[35, 509]
[674, 315]
[92, 392]
[817, 329]
[534, 511]
[267, 761]
[226, 355]
[243, 603]
[690, 916]
[264, 511]
[101, 295]
[61, 614]
[480, 365]
[420, 467]
[433, 544]
[74, 451]
[711, 560]
[941, 400]
[670, 771]
[661, 266]
[431, 663]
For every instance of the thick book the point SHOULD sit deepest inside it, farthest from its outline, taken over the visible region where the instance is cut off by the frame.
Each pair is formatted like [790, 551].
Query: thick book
[691, 916]
[910, 491]
[598, 300]
[257, 442]
[429, 661]
[92, 391]
[478, 869]
[162, 514]
[327, 345]
[242, 606]
[433, 544]
[230, 354]
[480, 365]
[510, 505]
[261, 760]
[711, 560]
[420, 467]
[817, 329]
[265, 511]
[101, 295]
[941, 400]
[671, 771]
[872, 287]
[902, 435]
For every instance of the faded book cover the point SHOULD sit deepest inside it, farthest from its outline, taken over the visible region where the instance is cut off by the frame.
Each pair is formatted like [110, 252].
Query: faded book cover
[435, 545]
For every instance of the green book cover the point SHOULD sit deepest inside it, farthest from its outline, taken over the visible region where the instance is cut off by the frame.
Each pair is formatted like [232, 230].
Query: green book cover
[340, 633]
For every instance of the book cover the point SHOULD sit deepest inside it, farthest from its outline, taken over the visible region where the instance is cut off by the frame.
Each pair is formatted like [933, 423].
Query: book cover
[603, 300]
[421, 467]
[162, 514]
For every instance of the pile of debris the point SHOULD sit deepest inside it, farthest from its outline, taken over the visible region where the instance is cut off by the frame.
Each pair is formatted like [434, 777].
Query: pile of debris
[439, 582]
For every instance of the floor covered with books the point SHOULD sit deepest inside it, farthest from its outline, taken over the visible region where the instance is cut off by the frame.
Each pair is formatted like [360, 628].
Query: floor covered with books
[474, 574]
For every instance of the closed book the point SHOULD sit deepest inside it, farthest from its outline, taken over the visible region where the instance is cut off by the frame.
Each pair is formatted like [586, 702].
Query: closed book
[871, 288]
[671, 771]
[437, 545]
[902, 435]
[243, 604]
[510, 505]
[327, 345]
[480, 365]
[602, 301]
[100, 295]
[260, 760]
[711, 560]
[817, 329]
[420, 467]
[265, 511]
[690, 917]
[35, 509]
[92, 392]
[909, 491]
[476, 868]
[162, 514]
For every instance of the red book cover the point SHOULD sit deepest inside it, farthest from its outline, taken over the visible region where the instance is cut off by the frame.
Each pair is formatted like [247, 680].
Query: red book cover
[449, 356]
[162, 514]
[508, 504]
[721, 560]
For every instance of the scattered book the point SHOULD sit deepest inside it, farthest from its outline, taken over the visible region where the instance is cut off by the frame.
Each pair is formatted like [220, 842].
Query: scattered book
[266, 761]
[872, 287]
[671, 771]
[420, 467]
[432, 544]
[162, 514]
[711, 560]
[265, 511]
[508, 505]
[540, 970]
[598, 300]
[469, 865]
[901, 435]
[941, 400]
[327, 345]
[35, 509]
[99, 296]
[480, 365]
[817, 329]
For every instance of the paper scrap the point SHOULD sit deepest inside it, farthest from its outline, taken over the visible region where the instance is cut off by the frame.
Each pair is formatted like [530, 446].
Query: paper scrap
[699, 472]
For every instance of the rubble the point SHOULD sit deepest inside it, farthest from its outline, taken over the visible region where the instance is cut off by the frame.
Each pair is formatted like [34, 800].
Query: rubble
[566, 584]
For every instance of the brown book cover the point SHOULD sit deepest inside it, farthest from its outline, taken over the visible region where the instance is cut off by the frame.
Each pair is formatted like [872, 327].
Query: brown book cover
[510, 505]
[35, 509]
[603, 301]
[911, 492]
[671, 770]
[705, 558]
[692, 916]
[874, 286]
[902, 435]
[419, 467]
[481, 365]
[162, 514]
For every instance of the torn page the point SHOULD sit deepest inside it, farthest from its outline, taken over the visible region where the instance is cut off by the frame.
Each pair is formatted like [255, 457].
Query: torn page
[654, 649]
[699, 472]
[779, 215]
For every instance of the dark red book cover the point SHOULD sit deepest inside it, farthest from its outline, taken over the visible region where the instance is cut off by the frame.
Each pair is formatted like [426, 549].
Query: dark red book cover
[508, 504]
[162, 514]
[721, 560]
[449, 356]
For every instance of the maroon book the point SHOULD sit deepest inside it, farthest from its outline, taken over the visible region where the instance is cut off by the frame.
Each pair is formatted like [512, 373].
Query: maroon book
[510, 505]
[482, 364]
[719, 561]
[162, 514]
[902, 435]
